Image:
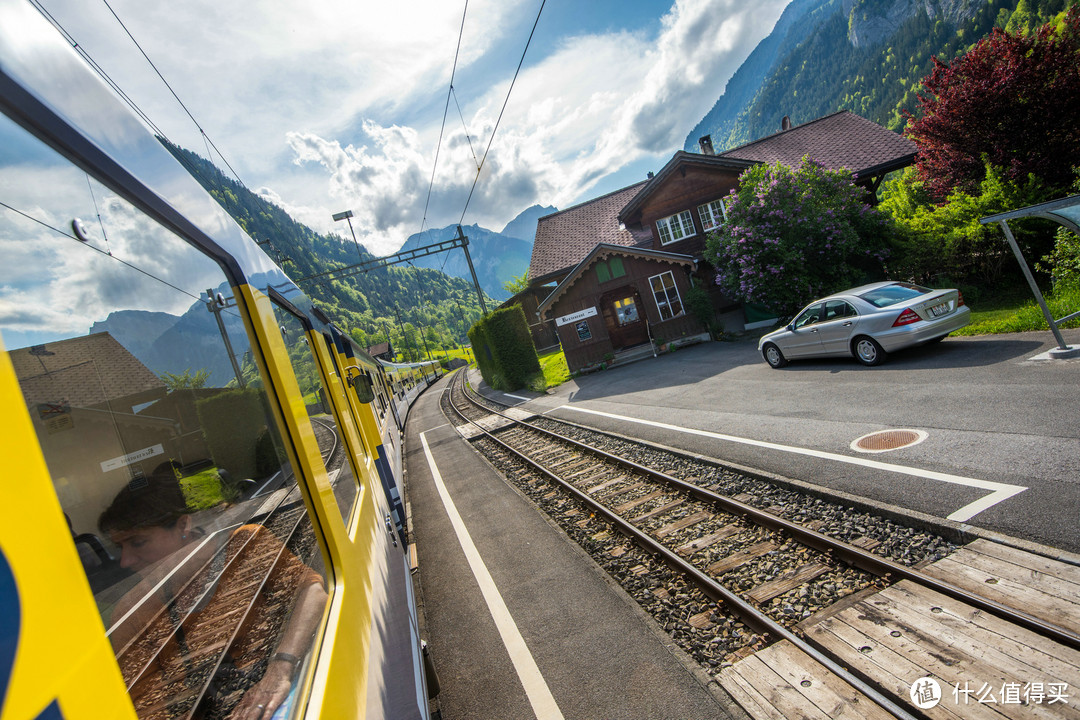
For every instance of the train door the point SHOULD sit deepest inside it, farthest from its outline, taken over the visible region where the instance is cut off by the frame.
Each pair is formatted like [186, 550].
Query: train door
[188, 536]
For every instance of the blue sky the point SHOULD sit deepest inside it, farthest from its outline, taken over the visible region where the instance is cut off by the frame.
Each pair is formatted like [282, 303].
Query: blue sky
[330, 105]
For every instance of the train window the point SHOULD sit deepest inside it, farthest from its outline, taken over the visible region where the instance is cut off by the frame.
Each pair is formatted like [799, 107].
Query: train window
[135, 368]
[338, 467]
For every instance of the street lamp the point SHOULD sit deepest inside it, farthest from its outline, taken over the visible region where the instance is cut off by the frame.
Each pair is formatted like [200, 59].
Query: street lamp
[347, 216]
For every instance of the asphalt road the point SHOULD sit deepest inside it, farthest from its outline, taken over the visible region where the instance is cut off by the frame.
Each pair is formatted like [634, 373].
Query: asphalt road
[1002, 445]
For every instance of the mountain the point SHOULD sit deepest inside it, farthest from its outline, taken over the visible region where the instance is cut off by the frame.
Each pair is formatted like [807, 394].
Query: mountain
[496, 257]
[367, 305]
[796, 23]
[168, 343]
[866, 56]
[523, 227]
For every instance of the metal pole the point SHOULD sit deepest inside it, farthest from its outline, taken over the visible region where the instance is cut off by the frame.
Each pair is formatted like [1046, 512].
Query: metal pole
[347, 216]
[420, 329]
[212, 306]
[468, 258]
[1034, 287]
[404, 336]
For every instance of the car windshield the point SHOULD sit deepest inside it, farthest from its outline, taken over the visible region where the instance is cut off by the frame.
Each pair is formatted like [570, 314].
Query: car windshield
[893, 294]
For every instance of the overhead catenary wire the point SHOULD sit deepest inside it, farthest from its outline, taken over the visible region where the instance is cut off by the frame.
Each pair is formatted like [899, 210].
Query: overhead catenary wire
[495, 129]
[173, 92]
[108, 254]
[128, 100]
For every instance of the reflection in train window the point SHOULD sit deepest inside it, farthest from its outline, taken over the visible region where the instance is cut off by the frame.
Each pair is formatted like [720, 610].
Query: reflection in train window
[338, 466]
[137, 373]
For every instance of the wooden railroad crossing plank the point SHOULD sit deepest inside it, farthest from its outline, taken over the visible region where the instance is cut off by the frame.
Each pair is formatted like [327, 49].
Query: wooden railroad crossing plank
[743, 556]
[682, 523]
[782, 682]
[781, 585]
[1048, 589]
[907, 632]
[708, 541]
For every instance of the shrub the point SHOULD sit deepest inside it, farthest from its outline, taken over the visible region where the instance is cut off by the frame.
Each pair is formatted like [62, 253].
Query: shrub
[795, 234]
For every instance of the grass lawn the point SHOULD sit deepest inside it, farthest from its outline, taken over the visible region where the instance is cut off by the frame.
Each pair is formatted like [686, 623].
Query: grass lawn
[554, 366]
[205, 489]
[1020, 313]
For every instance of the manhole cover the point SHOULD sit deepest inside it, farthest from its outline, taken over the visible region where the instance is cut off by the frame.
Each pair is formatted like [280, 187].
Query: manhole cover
[885, 440]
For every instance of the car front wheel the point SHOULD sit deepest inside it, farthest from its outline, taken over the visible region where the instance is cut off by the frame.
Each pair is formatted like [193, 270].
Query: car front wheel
[868, 351]
[773, 356]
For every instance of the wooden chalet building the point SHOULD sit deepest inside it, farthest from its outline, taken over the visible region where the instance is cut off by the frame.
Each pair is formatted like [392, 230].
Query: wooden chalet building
[616, 269]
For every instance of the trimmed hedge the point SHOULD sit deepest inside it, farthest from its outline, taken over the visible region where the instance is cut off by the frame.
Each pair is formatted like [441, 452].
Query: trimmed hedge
[504, 350]
[232, 422]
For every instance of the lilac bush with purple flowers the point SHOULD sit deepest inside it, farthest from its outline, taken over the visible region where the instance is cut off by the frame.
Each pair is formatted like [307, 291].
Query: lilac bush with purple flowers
[793, 235]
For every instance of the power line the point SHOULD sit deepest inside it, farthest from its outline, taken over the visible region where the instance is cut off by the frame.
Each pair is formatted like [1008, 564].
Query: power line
[58, 231]
[499, 119]
[173, 92]
[127, 99]
[446, 111]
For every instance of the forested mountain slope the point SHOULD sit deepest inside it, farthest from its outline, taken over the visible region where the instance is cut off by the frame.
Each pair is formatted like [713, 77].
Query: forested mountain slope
[867, 56]
[367, 305]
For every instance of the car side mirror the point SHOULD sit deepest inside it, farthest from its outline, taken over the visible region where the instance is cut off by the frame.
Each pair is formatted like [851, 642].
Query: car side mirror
[361, 385]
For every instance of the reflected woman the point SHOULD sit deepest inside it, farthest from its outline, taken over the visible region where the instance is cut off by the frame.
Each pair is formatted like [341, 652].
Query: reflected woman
[222, 619]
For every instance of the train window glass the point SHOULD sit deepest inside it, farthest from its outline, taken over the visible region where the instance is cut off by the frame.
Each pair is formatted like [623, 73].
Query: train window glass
[338, 467]
[156, 430]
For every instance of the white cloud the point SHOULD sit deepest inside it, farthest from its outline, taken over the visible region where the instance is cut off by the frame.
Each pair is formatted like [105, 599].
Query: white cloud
[596, 104]
[336, 86]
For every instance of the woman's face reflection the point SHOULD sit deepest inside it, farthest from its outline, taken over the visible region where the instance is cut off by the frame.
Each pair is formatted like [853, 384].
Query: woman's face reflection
[140, 548]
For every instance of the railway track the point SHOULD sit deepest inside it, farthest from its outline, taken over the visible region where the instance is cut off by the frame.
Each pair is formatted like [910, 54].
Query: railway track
[802, 623]
[180, 649]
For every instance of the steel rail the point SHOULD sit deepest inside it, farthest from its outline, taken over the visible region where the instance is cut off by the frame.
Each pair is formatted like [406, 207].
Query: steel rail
[282, 549]
[851, 554]
[747, 612]
[184, 622]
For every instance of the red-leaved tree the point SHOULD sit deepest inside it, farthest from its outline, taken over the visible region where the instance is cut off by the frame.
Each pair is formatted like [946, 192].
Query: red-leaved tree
[1012, 100]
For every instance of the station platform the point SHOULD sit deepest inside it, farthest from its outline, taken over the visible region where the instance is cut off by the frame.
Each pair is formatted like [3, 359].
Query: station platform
[520, 622]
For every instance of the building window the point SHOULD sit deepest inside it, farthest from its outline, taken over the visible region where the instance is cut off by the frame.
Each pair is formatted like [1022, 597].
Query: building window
[626, 311]
[675, 227]
[667, 297]
[713, 214]
[609, 270]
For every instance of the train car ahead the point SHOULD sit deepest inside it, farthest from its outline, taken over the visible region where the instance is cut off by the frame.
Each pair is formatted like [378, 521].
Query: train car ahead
[194, 523]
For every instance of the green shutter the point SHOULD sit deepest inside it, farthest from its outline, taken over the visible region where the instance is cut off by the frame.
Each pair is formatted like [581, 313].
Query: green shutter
[616, 267]
[602, 273]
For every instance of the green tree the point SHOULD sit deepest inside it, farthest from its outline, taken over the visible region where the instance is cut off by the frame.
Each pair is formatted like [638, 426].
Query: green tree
[946, 242]
[185, 380]
[795, 234]
[1013, 99]
[517, 283]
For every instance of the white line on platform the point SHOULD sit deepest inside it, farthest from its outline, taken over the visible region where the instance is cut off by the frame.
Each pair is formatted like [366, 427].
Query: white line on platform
[998, 491]
[540, 697]
[517, 397]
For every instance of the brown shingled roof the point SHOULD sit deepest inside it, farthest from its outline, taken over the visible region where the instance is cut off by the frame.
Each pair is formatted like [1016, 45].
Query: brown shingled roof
[841, 140]
[564, 238]
[86, 371]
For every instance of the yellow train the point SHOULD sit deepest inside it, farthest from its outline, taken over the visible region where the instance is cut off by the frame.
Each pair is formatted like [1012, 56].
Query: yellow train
[201, 514]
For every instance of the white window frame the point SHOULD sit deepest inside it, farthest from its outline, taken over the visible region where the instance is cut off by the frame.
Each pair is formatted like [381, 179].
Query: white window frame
[665, 309]
[674, 228]
[713, 214]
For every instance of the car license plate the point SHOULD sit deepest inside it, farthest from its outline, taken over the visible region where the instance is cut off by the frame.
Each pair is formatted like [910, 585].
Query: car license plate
[939, 310]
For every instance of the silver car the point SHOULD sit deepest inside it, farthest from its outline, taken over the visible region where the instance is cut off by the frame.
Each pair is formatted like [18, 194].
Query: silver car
[868, 322]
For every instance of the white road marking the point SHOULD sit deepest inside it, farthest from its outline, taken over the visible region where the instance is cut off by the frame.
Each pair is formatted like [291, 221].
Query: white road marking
[540, 697]
[517, 397]
[998, 491]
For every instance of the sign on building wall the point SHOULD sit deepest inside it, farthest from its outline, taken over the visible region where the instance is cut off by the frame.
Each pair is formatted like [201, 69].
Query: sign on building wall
[575, 317]
[583, 331]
